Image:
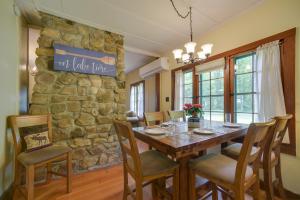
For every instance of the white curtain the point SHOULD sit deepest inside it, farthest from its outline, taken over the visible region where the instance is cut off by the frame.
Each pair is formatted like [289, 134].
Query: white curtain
[140, 110]
[268, 84]
[132, 97]
[178, 101]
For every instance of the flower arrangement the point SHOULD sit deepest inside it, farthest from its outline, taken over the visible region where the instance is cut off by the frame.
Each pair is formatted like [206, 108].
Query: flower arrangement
[193, 109]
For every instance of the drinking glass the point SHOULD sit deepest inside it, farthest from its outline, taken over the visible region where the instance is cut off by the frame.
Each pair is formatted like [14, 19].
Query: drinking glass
[228, 117]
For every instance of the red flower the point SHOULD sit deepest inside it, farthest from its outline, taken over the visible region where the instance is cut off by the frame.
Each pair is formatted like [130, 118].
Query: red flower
[197, 105]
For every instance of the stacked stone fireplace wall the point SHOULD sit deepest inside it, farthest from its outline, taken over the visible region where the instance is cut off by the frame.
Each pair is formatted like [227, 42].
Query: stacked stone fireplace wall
[82, 105]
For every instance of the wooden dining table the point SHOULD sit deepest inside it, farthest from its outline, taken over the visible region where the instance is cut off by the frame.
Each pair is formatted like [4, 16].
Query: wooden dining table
[182, 144]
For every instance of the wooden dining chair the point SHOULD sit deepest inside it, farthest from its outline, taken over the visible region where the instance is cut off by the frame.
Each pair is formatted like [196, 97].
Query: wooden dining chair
[270, 158]
[42, 157]
[151, 118]
[229, 176]
[145, 168]
[177, 115]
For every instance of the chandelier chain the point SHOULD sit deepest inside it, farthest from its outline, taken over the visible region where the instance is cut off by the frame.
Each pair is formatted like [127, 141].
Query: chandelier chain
[178, 13]
[191, 24]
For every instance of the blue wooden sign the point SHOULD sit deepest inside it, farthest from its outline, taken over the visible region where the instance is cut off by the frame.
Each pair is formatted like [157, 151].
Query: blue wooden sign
[79, 60]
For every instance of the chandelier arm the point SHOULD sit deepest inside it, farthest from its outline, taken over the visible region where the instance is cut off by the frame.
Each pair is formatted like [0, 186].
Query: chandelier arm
[178, 13]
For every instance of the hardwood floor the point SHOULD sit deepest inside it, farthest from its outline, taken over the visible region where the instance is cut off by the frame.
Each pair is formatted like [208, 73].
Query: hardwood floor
[103, 184]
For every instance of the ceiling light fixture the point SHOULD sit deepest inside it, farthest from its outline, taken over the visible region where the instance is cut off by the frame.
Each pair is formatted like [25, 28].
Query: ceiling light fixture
[189, 56]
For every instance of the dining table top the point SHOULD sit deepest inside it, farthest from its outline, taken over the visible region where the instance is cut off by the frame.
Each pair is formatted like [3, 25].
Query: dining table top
[180, 140]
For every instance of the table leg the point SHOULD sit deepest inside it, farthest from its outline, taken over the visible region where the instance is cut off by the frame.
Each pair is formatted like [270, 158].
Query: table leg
[183, 178]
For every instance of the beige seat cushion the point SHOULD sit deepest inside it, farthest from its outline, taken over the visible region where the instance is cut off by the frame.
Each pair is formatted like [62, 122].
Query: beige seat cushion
[35, 157]
[234, 150]
[153, 163]
[217, 166]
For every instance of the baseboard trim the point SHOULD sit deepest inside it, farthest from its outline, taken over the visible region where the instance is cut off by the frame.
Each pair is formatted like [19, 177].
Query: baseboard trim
[291, 195]
[7, 194]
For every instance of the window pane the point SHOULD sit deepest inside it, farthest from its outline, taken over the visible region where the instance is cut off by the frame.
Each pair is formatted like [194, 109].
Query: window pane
[217, 103]
[188, 77]
[217, 74]
[206, 115]
[204, 76]
[217, 87]
[244, 83]
[243, 103]
[188, 90]
[243, 64]
[243, 118]
[204, 88]
[217, 116]
[187, 100]
[205, 101]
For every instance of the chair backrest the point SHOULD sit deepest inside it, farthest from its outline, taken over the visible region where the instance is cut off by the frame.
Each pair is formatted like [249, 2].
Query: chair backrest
[274, 141]
[177, 115]
[255, 137]
[152, 118]
[282, 123]
[22, 121]
[129, 148]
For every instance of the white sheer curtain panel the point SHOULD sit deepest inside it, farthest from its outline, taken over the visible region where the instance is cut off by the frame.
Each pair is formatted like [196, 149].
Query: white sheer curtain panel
[132, 102]
[178, 100]
[268, 84]
[140, 100]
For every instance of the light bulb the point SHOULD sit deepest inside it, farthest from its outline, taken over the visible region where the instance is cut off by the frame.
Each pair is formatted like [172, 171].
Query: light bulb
[177, 53]
[190, 47]
[185, 57]
[206, 48]
[201, 55]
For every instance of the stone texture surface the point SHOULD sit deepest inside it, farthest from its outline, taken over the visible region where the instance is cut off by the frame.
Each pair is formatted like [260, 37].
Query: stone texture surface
[82, 106]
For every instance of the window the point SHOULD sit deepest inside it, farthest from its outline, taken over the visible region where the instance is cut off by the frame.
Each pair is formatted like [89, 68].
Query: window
[244, 94]
[211, 94]
[187, 87]
[240, 94]
[137, 98]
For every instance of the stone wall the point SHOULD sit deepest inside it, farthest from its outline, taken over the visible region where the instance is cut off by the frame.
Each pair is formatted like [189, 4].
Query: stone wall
[82, 105]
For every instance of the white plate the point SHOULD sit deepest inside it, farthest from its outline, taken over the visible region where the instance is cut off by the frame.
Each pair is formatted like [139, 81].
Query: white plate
[155, 131]
[231, 125]
[203, 131]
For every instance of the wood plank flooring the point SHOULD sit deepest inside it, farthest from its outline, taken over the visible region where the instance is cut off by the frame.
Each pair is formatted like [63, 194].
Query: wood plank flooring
[103, 184]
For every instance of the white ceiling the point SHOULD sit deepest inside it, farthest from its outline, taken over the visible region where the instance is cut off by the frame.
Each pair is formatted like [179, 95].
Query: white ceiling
[150, 27]
[136, 60]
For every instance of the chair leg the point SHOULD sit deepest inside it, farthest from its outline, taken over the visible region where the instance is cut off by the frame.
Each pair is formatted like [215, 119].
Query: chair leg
[256, 190]
[176, 185]
[49, 169]
[154, 190]
[240, 194]
[69, 172]
[125, 192]
[279, 180]
[139, 190]
[30, 182]
[17, 178]
[214, 192]
[192, 187]
[268, 183]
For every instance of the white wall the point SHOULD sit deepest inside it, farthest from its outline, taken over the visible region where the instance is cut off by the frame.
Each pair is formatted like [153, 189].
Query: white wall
[268, 18]
[9, 81]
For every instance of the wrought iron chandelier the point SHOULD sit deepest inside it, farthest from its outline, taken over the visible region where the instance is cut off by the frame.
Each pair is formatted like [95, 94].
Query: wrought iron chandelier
[189, 56]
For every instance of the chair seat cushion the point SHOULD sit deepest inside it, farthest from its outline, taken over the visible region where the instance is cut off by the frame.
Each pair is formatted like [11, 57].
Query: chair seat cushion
[217, 167]
[154, 163]
[41, 155]
[234, 150]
